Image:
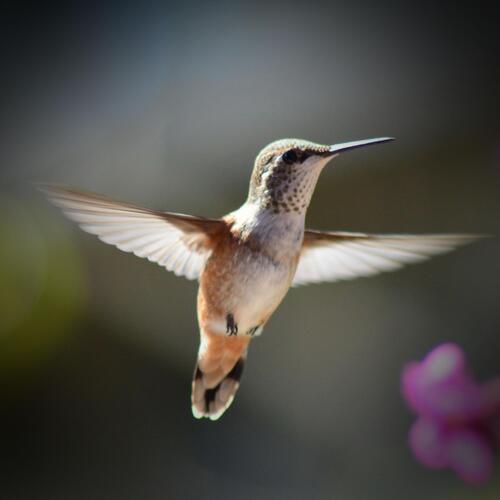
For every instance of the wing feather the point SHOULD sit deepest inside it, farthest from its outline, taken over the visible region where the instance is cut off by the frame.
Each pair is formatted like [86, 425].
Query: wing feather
[333, 256]
[180, 243]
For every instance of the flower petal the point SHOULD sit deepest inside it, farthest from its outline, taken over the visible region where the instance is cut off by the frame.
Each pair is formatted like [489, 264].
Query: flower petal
[469, 454]
[457, 402]
[440, 386]
[427, 440]
[445, 363]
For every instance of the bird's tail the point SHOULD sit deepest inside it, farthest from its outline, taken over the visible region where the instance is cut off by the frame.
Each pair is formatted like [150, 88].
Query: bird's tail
[217, 373]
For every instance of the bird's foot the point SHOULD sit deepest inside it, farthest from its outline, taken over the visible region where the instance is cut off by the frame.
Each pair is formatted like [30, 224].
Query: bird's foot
[231, 326]
[253, 330]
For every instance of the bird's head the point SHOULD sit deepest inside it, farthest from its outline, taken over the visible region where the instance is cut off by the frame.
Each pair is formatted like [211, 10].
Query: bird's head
[286, 171]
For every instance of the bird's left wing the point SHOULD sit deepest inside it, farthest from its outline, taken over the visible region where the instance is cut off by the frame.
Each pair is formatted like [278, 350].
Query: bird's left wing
[333, 256]
[180, 243]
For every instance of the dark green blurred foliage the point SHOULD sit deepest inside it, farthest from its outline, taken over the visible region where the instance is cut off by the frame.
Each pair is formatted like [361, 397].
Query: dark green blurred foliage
[41, 290]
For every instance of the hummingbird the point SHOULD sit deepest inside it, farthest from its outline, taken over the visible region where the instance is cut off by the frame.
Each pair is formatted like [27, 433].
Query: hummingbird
[247, 260]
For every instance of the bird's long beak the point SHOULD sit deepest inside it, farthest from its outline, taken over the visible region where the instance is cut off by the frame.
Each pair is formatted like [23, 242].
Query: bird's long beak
[347, 146]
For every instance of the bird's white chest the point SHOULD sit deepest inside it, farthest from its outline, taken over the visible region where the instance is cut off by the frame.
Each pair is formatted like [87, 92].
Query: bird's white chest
[262, 288]
[259, 274]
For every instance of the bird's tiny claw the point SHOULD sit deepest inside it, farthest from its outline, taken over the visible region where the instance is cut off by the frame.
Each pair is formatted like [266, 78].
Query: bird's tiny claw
[231, 326]
[252, 330]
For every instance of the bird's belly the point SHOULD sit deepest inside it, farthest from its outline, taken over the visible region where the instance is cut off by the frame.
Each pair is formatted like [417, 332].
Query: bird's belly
[249, 293]
[260, 296]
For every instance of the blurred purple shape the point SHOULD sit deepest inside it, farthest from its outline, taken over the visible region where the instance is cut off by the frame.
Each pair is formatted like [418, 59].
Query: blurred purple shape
[426, 440]
[457, 424]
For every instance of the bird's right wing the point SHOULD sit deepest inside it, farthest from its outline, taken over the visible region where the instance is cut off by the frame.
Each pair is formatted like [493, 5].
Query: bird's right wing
[333, 256]
[180, 243]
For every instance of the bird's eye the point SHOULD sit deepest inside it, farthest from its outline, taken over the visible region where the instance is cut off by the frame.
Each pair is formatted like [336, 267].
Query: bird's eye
[289, 156]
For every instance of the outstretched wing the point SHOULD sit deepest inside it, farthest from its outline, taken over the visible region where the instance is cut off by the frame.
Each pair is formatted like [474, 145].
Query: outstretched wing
[180, 243]
[332, 256]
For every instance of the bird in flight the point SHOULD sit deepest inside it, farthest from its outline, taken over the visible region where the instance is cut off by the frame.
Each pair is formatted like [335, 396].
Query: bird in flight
[247, 261]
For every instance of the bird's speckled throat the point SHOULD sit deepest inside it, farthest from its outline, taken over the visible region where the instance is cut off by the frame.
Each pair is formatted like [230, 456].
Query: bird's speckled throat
[285, 174]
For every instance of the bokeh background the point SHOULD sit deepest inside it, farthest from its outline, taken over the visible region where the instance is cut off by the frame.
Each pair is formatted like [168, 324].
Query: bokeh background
[166, 105]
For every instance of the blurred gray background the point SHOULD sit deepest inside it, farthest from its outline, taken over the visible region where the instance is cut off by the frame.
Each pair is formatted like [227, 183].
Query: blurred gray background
[166, 105]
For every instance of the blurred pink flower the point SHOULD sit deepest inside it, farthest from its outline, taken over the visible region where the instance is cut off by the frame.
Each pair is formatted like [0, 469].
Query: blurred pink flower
[458, 419]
